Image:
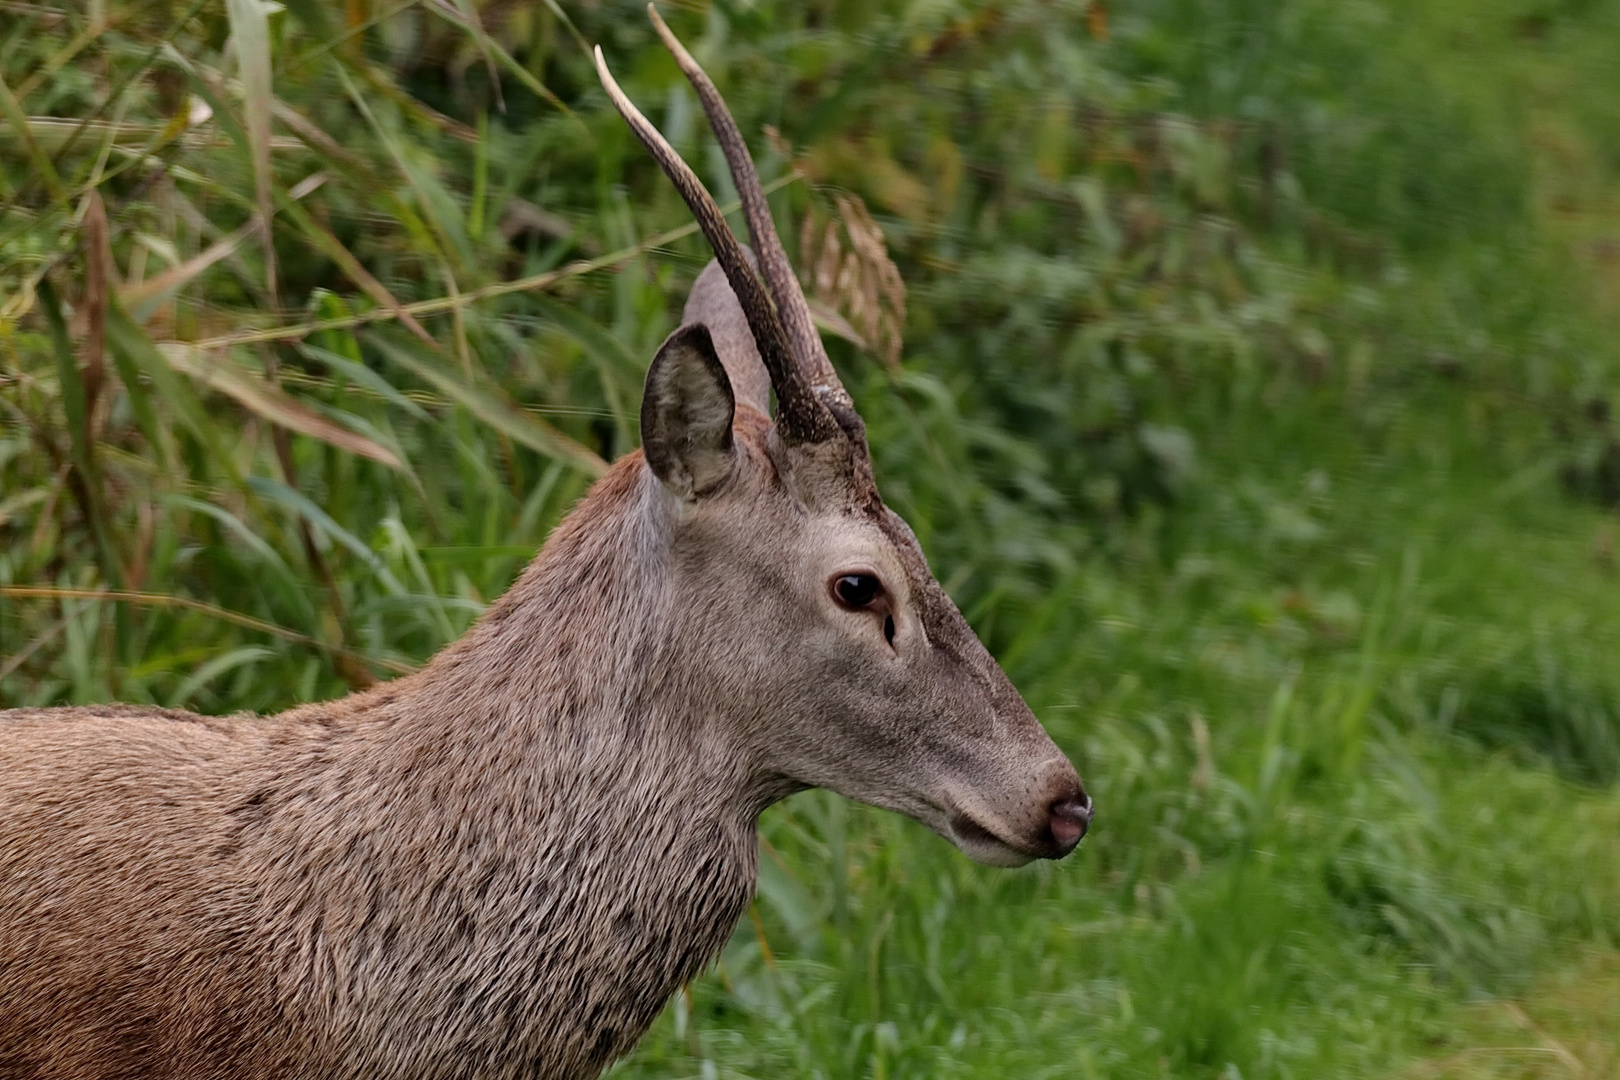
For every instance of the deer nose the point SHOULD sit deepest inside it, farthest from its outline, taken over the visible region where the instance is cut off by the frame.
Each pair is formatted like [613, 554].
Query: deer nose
[1070, 818]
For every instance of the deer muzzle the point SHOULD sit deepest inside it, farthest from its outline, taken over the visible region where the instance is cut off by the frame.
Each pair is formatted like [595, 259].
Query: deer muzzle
[1049, 826]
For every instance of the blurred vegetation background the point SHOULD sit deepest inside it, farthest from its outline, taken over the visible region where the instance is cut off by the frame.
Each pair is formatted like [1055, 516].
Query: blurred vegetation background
[1250, 385]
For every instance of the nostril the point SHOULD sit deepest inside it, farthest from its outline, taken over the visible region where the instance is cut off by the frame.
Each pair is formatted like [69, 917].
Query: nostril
[1070, 818]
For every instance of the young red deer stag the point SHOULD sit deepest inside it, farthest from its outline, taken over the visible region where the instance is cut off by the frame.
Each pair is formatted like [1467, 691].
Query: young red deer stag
[503, 865]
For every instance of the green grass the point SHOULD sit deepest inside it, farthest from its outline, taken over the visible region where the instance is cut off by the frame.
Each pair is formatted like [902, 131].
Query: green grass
[1305, 849]
[1254, 406]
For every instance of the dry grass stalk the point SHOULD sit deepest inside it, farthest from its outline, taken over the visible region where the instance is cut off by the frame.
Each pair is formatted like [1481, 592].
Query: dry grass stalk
[98, 263]
[847, 269]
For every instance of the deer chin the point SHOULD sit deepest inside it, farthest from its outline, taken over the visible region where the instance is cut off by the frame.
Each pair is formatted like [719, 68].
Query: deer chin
[983, 846]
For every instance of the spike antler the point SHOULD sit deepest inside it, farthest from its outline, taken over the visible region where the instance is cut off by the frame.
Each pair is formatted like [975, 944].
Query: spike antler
[791, 305]
[800, 416]
[812, 405]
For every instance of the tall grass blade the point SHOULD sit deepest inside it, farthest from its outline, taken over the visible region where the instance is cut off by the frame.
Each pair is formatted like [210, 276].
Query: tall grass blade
[140, 405]
[300, 504]
[352, 268]
[98, 266]
[463, 14]
[356, 372]
[44, 168]
[143, 299]
[265, 399]
[618, 370]
[218, 666]
[247, 622]
[250, 34]
[438, 305]
[135, 351]
[432, 201]
[266, 555]
[87, 487]
[491, 407]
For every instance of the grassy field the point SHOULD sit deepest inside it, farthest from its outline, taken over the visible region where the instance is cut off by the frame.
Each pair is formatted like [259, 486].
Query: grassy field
[1255, 403]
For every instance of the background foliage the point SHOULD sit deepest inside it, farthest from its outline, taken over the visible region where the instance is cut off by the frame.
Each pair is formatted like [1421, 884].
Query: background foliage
[1254, 403]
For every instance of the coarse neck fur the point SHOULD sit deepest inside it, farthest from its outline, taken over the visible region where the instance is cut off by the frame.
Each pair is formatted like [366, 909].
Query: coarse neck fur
[501, 866]
[589, 827]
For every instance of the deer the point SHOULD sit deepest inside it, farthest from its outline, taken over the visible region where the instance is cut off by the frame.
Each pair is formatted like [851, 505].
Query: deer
[505, 864]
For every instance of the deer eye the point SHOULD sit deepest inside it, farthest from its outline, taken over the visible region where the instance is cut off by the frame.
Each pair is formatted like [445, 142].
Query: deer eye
[856, 591]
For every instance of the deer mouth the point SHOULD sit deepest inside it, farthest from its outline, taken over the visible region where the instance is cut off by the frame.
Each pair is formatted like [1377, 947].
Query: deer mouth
[983, 846]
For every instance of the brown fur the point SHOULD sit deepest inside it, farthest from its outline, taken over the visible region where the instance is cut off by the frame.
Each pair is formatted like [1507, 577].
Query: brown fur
[428, 879]
[500, 866]
[503, 865]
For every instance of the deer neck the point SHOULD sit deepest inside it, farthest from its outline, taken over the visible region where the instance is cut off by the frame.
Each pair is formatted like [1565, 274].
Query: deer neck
[542, 820]
[580, 668]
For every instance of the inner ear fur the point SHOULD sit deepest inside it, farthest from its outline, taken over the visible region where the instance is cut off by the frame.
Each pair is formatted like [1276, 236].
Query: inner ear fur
[686, 414]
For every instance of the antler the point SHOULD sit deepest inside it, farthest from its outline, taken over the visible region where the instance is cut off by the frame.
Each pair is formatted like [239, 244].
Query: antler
[801, 417]
[793, 308]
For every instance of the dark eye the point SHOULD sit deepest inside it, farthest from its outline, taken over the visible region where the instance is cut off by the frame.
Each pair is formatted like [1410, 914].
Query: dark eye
[857, 591]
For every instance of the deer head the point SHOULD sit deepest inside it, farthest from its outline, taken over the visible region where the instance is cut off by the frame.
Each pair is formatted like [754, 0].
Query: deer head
[850, 666]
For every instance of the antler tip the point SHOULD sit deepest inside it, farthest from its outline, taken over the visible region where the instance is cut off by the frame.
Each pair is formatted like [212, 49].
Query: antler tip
[671, 42]
[609, 83]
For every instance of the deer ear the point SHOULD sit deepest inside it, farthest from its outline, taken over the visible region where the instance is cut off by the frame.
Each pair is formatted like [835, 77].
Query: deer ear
[686, 413]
